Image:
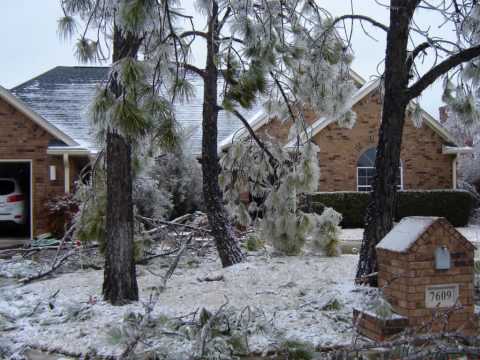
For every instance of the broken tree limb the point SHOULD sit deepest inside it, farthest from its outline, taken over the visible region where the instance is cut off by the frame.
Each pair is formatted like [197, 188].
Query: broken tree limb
[62, 242]
[182, 219]
[146, 259]
[172, 224]
[57, 351]
[52, 269]
[142, 326]
[465, 341]
[175, 262]
[205, 333]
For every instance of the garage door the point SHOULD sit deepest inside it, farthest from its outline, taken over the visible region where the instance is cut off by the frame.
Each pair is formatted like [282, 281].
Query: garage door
[15, 201]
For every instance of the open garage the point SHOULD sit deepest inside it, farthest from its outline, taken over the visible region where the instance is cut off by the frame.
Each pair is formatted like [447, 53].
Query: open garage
[15, 200]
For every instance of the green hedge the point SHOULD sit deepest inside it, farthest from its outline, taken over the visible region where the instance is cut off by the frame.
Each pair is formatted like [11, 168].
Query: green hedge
[454, 205]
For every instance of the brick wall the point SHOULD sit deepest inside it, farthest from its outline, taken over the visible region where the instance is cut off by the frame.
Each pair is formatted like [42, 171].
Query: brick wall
[22, 139]
[405, 276]
[424, 165]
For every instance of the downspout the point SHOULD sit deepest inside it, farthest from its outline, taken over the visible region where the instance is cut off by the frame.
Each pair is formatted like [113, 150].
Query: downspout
[454, 172]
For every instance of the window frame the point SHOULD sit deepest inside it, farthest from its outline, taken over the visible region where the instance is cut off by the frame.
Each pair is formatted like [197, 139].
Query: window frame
[367, 188]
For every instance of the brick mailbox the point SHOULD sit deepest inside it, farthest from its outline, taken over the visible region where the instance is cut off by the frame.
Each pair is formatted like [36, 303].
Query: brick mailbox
[426, 272]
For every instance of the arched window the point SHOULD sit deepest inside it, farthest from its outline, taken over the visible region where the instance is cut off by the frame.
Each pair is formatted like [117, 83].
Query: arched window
[366, 171]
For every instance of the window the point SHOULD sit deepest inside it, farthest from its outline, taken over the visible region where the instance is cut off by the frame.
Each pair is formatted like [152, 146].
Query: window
[366, 171]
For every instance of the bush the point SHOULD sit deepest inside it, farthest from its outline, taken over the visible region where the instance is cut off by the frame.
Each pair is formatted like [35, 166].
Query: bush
[351, 205]
[454, 205]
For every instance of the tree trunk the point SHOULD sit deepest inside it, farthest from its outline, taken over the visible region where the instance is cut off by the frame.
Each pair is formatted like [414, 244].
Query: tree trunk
[381, 208]
[120, 280]
[222, 231]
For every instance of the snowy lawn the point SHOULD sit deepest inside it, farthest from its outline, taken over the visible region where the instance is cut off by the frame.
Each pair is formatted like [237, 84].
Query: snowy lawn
[307, 298]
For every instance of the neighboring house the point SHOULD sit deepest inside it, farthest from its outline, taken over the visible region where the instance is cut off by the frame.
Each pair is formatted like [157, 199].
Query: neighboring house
[347, 156]
[45, 138]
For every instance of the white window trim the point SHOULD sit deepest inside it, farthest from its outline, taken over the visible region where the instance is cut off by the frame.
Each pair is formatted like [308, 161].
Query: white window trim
[369, 187]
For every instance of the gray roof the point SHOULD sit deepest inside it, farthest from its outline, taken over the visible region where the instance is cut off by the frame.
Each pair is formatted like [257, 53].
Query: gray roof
[62, 97]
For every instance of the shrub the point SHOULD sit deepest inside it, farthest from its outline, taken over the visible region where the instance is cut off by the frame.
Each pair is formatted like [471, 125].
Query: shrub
[61, 211]
[454, 205]
[254, 243]
[351, 205]
[297, 350]
[178, 174]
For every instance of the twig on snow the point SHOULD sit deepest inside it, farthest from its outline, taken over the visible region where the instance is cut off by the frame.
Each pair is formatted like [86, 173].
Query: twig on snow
[175, 262]
[206, 330]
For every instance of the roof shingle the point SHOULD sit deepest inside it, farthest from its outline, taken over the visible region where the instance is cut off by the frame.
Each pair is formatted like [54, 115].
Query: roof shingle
[62, 96]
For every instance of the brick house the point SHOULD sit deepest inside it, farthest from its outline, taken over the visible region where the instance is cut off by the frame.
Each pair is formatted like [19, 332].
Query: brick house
[347, 156]
[46, 140]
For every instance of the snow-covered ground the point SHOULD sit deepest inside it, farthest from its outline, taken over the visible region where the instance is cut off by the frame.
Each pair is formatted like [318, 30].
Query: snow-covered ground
[307, 298]
[66, 312]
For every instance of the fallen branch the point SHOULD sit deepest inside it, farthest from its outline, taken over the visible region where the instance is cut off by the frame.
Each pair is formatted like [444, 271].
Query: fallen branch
[62, 242]
[460, 340]
[206, 330]
[182, 219]
[175, 262]
[142, 326]
[172, 224]
[91, 355]
[52, 269]
[146, 259]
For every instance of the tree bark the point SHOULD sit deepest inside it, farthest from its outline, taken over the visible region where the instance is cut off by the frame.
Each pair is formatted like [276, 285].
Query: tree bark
[221, 229]
[381, 208]
[120, 280]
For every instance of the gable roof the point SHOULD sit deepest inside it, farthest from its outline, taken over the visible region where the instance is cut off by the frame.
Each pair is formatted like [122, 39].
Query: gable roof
[402, 237]
[62, 97]
[365, 88]
[18, 104]
[59, 99]
[262, 117]
[363, 92]
[405, 233]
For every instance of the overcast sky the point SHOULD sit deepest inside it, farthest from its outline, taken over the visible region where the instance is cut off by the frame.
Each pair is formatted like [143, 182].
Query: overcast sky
[30, 44]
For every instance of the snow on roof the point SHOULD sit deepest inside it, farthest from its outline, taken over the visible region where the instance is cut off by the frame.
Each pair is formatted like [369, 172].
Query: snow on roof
[405, 233]
[62, 96]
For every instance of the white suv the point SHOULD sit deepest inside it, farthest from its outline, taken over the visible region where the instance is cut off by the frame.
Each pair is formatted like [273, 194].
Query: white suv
[12, 202]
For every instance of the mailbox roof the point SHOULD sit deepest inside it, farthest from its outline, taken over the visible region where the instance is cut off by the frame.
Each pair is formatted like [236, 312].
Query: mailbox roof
[405, 233]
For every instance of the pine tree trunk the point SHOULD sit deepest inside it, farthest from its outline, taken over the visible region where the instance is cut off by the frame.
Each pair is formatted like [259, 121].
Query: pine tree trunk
[120, 281]
[381, 208]
[222, 231]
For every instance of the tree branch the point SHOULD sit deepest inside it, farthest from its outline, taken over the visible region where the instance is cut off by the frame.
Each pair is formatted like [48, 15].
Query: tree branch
[193, 33]
[441, 69]
[420, 48]
[361, 18]
[194, 69]
[253, 135]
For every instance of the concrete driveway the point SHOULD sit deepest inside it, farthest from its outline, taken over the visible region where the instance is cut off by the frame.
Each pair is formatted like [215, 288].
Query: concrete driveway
[8, 243]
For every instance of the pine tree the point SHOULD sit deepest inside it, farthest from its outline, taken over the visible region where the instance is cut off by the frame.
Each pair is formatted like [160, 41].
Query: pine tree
[258, 48]
[252, 48]
[457, 62]
[125, 111]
